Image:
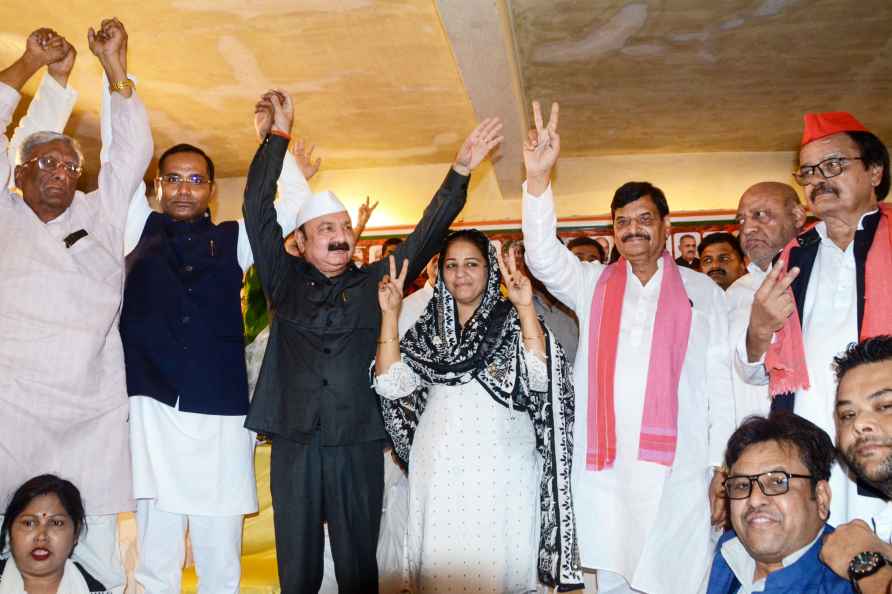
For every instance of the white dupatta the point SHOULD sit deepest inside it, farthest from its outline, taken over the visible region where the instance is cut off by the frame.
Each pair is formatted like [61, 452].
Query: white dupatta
[72, 580]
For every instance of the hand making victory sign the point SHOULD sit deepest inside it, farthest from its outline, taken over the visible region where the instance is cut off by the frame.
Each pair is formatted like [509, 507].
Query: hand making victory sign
[541, 150]
[520, 289]
[773, 303]
[390, 287]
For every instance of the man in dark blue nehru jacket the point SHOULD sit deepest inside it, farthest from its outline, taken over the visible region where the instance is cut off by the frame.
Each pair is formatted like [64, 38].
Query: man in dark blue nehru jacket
[181, 326]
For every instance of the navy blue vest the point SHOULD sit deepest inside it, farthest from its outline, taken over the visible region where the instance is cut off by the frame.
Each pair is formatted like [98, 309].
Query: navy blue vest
[181, 322]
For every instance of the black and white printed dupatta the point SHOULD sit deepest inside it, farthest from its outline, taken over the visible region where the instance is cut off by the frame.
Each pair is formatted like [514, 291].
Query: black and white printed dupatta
[489, 350]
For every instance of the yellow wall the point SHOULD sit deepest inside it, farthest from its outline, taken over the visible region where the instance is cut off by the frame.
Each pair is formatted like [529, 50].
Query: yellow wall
[583, 186]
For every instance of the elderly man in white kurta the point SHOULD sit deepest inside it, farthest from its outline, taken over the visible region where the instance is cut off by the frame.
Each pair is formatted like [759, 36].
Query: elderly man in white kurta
[645, 459]
[769, 215]
[62, 388]
[829, 288]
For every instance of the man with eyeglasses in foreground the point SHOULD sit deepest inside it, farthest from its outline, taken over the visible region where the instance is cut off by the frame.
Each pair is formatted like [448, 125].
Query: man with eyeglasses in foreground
[858, 550]
[828, 288]
[779, 501]
[181, 324]
[62, 387]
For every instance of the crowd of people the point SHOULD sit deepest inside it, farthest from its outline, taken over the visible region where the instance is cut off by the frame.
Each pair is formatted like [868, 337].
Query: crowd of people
[565, 418]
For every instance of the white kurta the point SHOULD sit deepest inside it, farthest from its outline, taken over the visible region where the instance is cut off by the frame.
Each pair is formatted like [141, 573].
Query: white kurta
[829, 325]
[62, 388]
[639, 519]
[749, 399]
[473, 490]
[191, 463]
[49, 110]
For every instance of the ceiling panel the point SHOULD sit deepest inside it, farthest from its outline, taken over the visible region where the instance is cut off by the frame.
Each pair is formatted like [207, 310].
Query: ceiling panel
[705, 75]
[375, 81]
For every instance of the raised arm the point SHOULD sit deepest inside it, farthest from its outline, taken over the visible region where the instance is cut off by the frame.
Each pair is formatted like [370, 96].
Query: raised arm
[547, 257]
[53, 103]
[390, 299]
[293, 189]
[427, 237]
[43, 47]
[131, 145]
[139, 209]
[261, 224]
[362, 218]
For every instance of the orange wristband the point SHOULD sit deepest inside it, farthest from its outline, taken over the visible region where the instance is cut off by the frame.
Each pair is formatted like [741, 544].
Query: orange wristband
[284, 135]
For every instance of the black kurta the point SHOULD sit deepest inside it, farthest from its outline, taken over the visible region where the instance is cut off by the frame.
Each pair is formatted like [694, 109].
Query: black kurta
[323, 331]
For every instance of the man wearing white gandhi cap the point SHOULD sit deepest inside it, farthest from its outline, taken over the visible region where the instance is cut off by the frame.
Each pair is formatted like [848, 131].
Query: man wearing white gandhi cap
[318, 205]
[313, 395]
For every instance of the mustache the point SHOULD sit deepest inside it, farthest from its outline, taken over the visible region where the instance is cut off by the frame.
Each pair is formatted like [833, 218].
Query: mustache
[339, 246]
[717, 272]
[630, 236]
[824, 187]
[761, 510]
[864, 441]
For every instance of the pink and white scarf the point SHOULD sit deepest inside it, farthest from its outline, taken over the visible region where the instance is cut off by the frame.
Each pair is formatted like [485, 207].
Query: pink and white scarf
[669, 344]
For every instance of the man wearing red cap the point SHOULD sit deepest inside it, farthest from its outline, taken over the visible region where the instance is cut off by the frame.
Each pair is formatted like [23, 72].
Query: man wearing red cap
[828, 286]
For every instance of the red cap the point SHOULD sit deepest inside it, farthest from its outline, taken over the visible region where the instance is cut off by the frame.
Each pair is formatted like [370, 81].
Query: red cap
[819, 125]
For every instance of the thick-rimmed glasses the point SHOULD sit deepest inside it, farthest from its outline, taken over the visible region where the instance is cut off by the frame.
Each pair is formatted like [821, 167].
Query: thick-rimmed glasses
[47, 163]
[774, 482]
[173, 179]
[827, 168]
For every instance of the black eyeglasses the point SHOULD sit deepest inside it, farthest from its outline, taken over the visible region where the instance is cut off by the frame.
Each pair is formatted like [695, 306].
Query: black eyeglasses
[827, 168]
[47, 163]
[774, 482]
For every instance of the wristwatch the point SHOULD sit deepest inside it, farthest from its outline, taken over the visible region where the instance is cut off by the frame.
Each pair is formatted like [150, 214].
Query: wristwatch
[865, 564]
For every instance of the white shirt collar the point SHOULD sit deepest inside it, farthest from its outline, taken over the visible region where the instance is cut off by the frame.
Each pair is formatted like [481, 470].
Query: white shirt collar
[744, 566]
[882, 523]
[753, 268]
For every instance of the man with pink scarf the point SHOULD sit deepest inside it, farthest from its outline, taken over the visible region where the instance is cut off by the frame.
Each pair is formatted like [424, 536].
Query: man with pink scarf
[654, 405]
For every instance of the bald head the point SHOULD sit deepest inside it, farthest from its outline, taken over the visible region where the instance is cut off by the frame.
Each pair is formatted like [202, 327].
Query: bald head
[770, 215]
[783, 193]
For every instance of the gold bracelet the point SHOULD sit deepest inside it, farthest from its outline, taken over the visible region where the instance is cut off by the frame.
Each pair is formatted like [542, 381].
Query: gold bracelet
[536, 337]
[120, 85]
[386, 340]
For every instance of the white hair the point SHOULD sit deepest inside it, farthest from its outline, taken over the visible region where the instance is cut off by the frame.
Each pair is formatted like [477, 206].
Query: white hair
[40, 138]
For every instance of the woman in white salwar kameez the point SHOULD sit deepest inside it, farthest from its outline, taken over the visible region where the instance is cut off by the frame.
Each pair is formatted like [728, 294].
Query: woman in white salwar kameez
[478, 400]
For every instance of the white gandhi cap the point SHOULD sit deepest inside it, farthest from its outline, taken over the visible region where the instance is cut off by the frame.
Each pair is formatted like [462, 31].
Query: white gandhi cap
[317, 205]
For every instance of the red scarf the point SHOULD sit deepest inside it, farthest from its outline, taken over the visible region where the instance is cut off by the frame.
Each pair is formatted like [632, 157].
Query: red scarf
[785, 359]
[669, 344]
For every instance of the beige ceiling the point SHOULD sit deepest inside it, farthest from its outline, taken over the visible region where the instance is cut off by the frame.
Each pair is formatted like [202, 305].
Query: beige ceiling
[374, 80]
[398, 82]
[703, 75]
